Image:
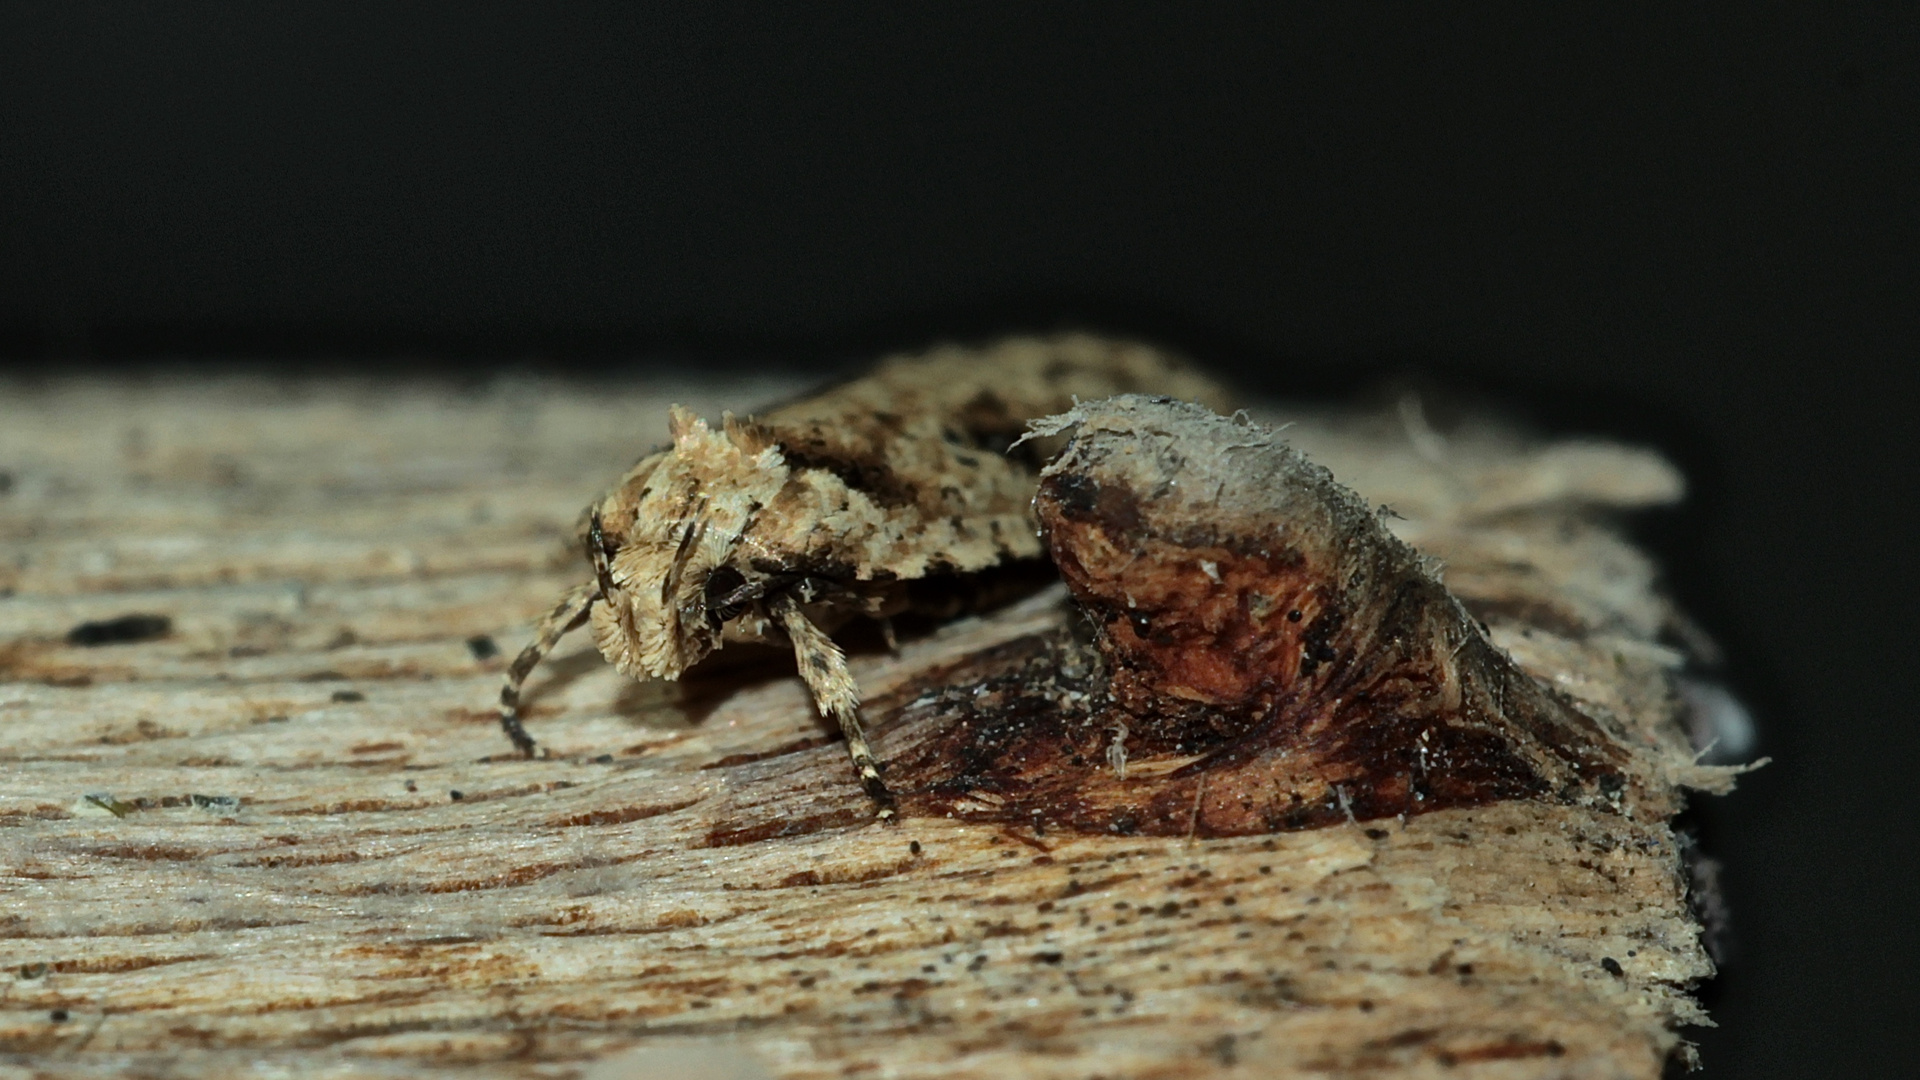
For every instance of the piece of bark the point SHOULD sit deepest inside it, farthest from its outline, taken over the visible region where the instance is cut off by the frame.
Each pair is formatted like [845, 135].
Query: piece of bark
[287, 837]
[1261, 649]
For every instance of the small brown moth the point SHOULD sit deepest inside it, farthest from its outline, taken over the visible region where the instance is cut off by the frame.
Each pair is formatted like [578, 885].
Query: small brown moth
[782, 526]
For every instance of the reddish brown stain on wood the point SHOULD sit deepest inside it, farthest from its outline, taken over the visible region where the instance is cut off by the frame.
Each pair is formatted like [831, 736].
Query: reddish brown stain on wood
[620, 815]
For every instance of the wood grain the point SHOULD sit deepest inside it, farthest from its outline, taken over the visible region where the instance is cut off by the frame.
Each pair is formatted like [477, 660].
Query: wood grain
[309, 851]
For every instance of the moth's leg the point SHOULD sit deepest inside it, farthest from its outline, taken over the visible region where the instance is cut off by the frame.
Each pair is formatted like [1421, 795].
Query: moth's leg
[566, 616]
[824, 669]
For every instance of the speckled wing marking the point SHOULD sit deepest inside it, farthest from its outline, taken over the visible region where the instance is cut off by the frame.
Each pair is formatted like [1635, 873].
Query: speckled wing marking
[781, 526]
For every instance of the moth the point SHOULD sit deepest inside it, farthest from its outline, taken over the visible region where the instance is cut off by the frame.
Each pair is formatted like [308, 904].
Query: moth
[781, 527]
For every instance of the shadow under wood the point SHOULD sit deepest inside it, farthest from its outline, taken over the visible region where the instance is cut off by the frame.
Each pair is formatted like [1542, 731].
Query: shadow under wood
[933, 604]
[708, 685]
[561, 672]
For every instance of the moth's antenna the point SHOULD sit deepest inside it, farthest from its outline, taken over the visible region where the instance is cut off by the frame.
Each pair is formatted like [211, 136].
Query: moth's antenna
[597, 553]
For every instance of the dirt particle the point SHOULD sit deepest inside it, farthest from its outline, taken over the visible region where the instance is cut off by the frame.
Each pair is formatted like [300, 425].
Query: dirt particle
[348, 696]
[1613, 967]
[482, 647]
[913, 847]
[456, 796]
[125, 630]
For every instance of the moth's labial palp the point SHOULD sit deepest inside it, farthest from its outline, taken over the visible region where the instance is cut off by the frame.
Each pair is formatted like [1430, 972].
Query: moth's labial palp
[727, 594]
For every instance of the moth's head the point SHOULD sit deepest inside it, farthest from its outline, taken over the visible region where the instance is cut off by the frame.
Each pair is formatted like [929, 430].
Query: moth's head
[669, 540]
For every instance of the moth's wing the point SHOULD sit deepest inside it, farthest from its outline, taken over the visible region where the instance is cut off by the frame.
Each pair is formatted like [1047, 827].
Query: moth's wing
[905, 473]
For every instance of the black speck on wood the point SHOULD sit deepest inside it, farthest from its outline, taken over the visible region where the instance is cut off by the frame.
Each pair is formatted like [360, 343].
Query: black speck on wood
[124, 630]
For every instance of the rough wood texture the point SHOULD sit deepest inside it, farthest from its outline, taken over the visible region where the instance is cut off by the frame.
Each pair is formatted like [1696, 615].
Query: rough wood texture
[313, 853]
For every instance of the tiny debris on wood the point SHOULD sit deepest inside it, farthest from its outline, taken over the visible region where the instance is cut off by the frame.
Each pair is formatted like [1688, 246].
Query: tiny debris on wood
[125, 630]
[101, 803]
[686, 877]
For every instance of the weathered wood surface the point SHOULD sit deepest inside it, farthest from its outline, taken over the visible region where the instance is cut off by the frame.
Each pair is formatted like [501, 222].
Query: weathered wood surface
[326, 550]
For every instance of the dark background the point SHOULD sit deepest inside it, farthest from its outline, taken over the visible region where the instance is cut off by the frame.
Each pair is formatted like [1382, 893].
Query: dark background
[1674, 227]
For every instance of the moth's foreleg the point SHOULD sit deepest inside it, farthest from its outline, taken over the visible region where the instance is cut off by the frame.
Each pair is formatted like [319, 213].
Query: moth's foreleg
[566, 616]
[824, 669]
